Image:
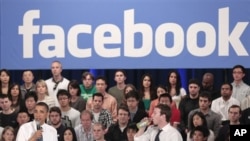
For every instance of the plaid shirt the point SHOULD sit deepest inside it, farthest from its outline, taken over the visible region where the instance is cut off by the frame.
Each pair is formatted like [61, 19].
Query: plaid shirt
[105, 118]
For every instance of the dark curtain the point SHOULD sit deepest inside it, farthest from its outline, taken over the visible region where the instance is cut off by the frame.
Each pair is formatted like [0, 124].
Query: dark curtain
[134, 76]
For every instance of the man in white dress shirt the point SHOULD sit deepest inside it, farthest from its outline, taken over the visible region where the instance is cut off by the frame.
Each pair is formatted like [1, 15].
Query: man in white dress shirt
[161, 128]
[32, 131]
[222, 104]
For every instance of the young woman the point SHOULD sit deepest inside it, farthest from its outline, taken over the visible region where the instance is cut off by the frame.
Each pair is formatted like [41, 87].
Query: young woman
[76, 100]
[147, 91]
[16, 97]
[42, 93]
[160, 89]
[5, 81]
[69, 134]
[174, 87]
[8, 134]
[198, 119]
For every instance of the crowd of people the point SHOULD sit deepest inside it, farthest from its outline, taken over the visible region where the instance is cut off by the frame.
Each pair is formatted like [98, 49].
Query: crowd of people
[59, 109]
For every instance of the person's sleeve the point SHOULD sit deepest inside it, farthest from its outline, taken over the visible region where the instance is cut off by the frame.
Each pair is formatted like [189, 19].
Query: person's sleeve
[189, 119]
[151, 108]
[109, 119]
[21, 135]
[114, 110]
[217, 125]
[55, 136]
[78, 120]
[145, 136]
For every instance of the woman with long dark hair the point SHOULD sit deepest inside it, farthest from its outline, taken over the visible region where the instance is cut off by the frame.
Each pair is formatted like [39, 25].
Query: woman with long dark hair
[69, 134]
[174, 87]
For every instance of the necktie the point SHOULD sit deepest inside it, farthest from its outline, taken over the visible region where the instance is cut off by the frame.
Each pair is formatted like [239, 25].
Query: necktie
[157, 137]
[40, 139]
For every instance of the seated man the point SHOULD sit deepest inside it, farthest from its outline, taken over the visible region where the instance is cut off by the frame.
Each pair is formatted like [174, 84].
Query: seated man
[136, 114]
[99, 131]
[118, 131]
[162, 131]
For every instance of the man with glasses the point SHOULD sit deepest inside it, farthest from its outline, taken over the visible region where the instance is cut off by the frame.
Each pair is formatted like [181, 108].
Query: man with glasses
[240, 89]
[70, 116]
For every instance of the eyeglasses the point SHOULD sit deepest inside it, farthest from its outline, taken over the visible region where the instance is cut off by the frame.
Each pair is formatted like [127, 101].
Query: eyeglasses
[63, 98]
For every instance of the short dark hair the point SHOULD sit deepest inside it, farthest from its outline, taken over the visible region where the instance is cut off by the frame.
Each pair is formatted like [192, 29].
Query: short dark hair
[166, 110]
[98, 95]
[229, 84]
[132, 94]
[102, 78]
[194, 81]
[55, 109]
[206, 94]
[44, 105]
[63, 92]
[132, 126]
[31, 94]
[74, 84]
[122, 71]
[6, 96]
[241, 67]
[204, 130]
[166, 95]
[124, 108]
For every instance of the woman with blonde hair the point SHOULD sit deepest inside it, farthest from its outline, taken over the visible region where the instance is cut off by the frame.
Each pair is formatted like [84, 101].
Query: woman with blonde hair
[8, 134]
[42, 93]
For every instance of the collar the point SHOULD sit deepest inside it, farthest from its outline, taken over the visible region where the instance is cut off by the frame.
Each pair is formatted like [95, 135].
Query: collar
[53, 80]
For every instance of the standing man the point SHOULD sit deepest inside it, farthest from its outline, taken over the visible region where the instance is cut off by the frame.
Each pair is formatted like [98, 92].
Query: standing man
[28, 84]
[213, 119]
[189, 103]
[163, 131]
[240, 89]
[70, 116]
[87, 87]
[109, 101]
[117, 90]
[84, 131]
[208, 85]
[8, 115]
[55, 120]
[37, 129]
[57, 81]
